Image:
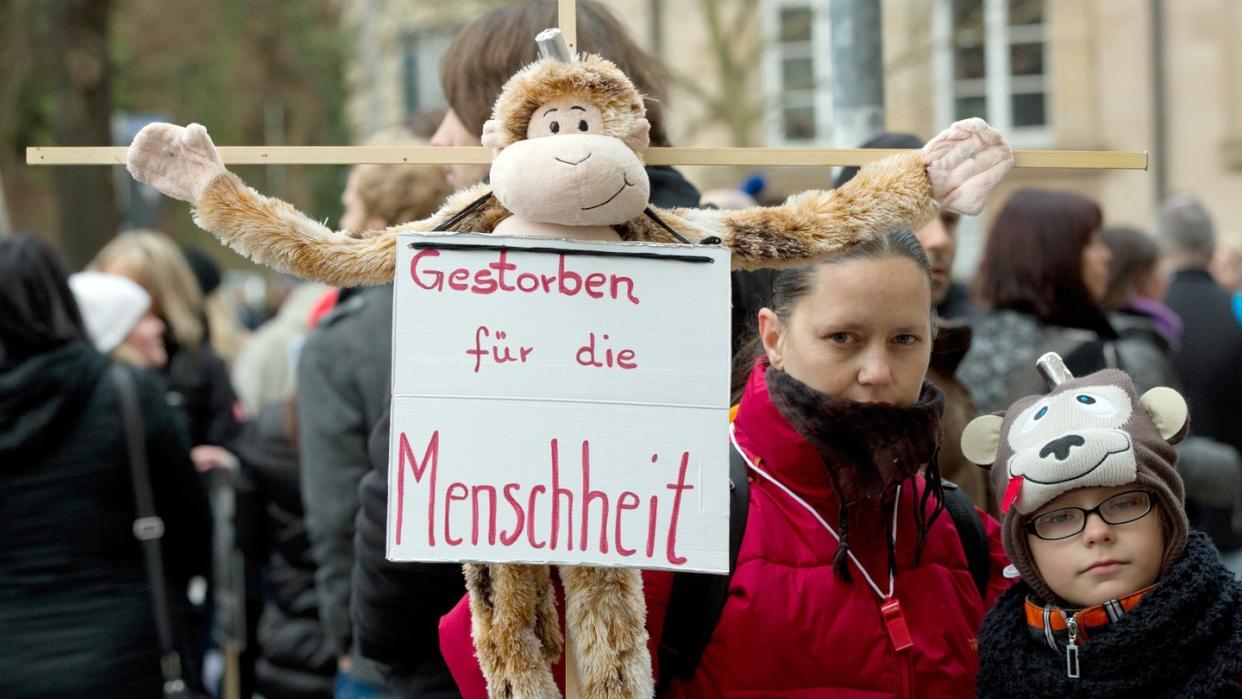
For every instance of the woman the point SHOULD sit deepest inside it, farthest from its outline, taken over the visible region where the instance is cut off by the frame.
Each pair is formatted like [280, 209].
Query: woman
[835, 422]
[1043, 277]
[198, 381]
[119, 320]
[75, 605]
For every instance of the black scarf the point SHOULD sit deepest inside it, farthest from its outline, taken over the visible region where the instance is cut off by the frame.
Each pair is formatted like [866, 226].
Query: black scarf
[1183, 640]
[868, 449]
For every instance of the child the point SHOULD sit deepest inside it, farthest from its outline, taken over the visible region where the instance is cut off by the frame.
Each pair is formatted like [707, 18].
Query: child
[1117, 597]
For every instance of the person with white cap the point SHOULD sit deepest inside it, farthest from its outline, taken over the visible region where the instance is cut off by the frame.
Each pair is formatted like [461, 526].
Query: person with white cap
[118, 317]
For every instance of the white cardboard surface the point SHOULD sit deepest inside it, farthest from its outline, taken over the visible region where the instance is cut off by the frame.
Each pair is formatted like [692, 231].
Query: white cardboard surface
[479, 418]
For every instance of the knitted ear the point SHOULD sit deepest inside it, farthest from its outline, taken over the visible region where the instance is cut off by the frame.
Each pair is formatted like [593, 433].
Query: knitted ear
[1168, 410]
[981, 439]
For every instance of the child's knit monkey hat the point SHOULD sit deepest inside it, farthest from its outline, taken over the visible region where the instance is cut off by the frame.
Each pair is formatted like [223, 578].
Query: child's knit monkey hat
[1086, 432]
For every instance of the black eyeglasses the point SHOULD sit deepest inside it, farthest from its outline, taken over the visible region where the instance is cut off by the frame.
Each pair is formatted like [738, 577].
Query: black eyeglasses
[1068, 521]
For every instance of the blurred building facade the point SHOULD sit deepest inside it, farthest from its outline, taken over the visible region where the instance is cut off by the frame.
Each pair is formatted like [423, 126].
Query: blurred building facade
[1065, 74]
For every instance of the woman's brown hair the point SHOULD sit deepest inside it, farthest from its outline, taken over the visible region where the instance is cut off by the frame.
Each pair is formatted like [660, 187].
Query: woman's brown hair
[489, 50]
[1033, 259]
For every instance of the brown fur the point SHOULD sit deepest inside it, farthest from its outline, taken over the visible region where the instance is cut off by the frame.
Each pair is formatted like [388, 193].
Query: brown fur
[593, 79]
[511, 607]
[607, 612]
[888, 194]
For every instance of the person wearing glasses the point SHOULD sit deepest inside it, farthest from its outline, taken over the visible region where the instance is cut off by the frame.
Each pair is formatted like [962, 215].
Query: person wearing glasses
[1118, 597]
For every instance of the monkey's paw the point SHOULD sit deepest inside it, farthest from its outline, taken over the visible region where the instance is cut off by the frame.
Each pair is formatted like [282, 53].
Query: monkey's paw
[179, 161]
[965, 162]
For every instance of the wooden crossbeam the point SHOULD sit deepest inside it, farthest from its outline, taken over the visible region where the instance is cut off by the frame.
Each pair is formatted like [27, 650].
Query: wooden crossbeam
[431, 155]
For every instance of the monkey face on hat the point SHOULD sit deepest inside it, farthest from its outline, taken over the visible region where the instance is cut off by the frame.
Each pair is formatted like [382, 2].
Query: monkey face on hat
[1089, 431]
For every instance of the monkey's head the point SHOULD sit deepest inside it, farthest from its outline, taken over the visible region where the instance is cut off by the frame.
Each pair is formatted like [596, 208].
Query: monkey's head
[569, 139]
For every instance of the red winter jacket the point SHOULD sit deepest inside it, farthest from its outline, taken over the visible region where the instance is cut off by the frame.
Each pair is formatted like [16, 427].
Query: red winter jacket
[792, 629]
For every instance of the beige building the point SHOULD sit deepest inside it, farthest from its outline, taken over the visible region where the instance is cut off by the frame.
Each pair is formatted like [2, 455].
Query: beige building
[1069, 74]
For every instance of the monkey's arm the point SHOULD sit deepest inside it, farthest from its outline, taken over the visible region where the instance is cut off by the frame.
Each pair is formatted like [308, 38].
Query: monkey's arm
[958, 169]
[886, 195]
[274, 233]
[183, 163]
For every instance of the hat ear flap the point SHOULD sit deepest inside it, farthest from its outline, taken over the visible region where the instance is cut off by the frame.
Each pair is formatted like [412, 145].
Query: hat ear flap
[1168, 410]
[981, 439]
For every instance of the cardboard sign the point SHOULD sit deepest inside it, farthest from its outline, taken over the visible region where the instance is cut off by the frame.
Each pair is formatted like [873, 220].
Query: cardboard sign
[559, 402]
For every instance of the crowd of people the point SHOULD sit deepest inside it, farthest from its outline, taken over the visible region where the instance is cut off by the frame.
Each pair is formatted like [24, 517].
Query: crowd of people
[858, 384]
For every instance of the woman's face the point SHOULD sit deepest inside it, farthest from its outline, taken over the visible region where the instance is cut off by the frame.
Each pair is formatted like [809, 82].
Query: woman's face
[1095, 259]
[862, 332]
[1103, 561]
[147, 339]
[452, 132]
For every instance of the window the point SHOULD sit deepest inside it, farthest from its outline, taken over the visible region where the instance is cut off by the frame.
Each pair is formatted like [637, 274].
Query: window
[992, 56]
[420, 77]
[795, 65]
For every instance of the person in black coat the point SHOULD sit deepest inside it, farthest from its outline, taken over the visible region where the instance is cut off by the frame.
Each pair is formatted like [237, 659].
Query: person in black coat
[75, 606]
[1211, 352]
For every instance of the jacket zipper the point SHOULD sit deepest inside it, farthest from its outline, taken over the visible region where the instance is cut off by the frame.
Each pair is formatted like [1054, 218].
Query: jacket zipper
[907, 676]
[1071, 649]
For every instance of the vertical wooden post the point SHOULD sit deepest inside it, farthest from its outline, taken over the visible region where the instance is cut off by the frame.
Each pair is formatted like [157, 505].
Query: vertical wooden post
[567, 22]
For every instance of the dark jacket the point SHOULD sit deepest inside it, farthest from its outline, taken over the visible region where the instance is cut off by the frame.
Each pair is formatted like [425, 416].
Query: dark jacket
[1210, 468]
[1209, 365]
[1184, 639]
[199, 386]
[295, 658]
[1211, 355]
[396, 607]
[957, 304]
[948, 349]
[75, 608]
[343, 386]
[1000, 366]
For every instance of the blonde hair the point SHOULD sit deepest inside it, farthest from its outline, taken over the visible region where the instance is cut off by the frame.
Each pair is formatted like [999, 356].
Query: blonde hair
[128, 355]
[400, 193]
[156, 263]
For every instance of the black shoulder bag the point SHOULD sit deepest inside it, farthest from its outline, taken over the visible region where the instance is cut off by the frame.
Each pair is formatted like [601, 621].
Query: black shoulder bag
[149, 529]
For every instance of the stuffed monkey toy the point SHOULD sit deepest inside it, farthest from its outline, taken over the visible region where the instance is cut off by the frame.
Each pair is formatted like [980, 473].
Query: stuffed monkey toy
[569, 138]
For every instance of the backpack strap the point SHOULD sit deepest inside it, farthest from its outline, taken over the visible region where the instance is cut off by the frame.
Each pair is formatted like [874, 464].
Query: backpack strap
[698, 599]
[971, 533]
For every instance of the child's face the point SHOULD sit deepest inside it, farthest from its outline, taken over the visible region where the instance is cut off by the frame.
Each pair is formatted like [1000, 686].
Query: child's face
[1103, 561]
